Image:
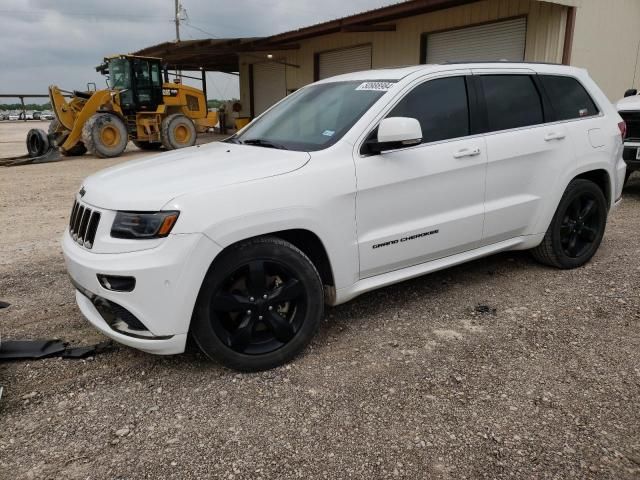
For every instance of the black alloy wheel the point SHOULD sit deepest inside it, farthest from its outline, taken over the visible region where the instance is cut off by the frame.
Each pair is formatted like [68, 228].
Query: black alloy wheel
[581, 225]
[577, 227]
[259, 308]
[260, 304]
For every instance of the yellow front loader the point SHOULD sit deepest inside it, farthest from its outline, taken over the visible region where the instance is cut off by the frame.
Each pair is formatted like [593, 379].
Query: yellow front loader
[138, 106]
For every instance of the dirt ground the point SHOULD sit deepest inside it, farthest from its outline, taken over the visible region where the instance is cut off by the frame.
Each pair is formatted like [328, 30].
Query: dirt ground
[405, 382]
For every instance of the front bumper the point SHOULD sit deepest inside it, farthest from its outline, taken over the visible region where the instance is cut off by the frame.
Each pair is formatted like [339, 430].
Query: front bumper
[630, 156]
[168, 279]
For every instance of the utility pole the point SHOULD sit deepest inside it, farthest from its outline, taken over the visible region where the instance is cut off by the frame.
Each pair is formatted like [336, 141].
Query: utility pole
[177, 20]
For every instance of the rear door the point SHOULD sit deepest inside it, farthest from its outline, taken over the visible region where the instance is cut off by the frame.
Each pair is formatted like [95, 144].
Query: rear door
[526, 157]
[423, 202]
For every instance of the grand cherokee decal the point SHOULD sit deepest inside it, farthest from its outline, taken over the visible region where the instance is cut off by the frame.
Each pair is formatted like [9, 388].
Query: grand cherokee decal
[405, 239]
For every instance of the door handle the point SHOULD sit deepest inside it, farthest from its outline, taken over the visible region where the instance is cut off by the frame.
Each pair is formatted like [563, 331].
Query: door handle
[554, 136]
[466, 152]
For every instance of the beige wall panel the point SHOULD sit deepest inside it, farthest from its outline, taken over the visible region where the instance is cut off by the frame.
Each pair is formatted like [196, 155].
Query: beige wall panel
[605, 42]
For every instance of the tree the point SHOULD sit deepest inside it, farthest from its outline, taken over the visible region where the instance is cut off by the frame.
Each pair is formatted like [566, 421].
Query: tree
[27, 106]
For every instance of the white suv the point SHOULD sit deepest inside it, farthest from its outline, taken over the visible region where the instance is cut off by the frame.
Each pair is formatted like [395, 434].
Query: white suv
[349, 184]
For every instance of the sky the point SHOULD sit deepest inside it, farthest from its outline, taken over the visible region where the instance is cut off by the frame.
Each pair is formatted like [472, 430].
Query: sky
[44, 42]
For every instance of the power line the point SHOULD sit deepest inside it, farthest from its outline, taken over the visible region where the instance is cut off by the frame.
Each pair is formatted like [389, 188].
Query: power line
[43, 13]
[190, 25]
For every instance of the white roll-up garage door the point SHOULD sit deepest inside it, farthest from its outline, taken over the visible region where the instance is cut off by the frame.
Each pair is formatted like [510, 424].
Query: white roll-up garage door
[494, 41]
[269, 85]
[345, 60]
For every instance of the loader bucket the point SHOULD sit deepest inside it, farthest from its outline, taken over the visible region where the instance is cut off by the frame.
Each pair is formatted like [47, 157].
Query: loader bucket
[41, 147]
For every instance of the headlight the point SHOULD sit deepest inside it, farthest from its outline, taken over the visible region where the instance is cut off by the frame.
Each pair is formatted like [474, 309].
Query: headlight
[143, 225]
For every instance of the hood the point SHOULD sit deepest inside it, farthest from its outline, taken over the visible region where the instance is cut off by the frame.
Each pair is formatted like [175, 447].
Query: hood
[148, 184]
[629, 104]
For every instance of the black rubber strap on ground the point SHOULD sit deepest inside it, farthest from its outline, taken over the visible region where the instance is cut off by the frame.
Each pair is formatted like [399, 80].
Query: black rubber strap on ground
[37, 349]
[4, 304]
[30, 349]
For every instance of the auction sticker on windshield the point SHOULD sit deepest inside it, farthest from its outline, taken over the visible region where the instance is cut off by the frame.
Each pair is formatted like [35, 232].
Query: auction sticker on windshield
[375, 86]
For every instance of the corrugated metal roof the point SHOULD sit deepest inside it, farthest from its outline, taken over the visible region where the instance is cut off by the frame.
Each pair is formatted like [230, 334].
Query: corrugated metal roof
[222, 53]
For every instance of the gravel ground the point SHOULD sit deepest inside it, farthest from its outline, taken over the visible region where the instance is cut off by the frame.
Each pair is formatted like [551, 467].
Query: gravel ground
[405, 382]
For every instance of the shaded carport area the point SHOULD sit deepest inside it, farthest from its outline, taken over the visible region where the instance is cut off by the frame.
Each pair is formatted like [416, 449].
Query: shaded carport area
[201, 56]
[193, 59]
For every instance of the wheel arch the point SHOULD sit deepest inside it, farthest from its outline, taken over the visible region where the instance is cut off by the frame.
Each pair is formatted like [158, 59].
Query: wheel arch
[602, 179]
[598, 175]
[305, 240]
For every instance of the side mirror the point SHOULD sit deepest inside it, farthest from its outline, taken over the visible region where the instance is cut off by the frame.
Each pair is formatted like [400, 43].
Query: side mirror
[631, 92]
[396, 132]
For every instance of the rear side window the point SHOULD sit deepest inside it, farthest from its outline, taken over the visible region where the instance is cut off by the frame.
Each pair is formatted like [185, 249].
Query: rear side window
[568, 97]
[440, 106]
[512, 101]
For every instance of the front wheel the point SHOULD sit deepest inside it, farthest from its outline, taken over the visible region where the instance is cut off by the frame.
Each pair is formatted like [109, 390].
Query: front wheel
[577, 227]
[105, 135]
[260, 304]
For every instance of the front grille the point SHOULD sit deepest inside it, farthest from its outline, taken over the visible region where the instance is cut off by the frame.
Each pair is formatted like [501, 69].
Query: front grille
[83, 224]
[632, 119]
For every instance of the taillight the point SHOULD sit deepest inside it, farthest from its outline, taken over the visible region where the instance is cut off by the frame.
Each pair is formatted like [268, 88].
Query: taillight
[623, 129]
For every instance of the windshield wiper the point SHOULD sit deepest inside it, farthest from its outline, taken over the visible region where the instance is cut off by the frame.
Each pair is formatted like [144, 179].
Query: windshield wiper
[232, 139]
[260, 142]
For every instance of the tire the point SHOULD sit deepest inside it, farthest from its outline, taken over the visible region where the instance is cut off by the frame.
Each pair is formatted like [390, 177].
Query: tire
[235, 325]
[577, 228]
[37, 142]
[178, 132]
[105, 135]
[147, 145]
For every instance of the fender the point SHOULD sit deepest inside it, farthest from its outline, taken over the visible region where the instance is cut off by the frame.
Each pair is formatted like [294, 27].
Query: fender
[542, 224]
[343, 256]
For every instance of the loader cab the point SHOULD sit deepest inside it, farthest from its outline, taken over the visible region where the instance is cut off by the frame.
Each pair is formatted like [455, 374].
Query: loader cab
[139, 80]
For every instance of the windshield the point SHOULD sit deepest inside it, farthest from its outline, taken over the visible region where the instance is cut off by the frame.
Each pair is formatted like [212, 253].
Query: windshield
[119, 76]
[315, 117]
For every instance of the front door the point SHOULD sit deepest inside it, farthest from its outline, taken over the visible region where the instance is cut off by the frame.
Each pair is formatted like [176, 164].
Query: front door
[424, 202]
[147, 84]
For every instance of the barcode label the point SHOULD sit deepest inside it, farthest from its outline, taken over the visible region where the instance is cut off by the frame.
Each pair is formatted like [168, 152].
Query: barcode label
[375, 86]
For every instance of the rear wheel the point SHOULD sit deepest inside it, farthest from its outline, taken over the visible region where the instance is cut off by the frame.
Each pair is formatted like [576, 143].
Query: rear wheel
[577, 227]
[260, 304]
[147, 145]
[105, 135]
[178, 131]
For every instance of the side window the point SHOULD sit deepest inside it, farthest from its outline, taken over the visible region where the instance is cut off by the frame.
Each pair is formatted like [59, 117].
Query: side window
[440, 106]
[568, 97]
[512, 101]
[155, 75]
